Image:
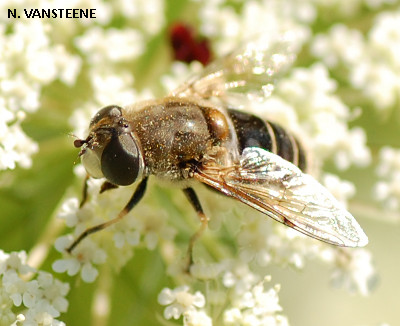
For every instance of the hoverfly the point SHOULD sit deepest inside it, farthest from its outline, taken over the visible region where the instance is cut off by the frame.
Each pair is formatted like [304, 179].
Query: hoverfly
[197, 134]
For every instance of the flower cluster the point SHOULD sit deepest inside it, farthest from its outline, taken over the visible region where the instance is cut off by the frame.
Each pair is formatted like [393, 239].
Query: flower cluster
[32, 56]
[354, 271]
[387, 190]
[28, 296]
[144, 228]
[369, 63]
[251, 303]
[324, 117]
[264, 243]
[247, 300]
[29, 60]
[221, 23]
[180, 302]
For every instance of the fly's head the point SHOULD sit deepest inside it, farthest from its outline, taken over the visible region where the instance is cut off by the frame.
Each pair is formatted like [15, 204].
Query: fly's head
[111, 150]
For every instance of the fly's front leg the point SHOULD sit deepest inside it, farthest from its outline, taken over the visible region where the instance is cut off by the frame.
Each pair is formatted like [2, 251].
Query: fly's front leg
[194, 200]
[85, 195]
[136, 197]
[107, 186]
[104, 187]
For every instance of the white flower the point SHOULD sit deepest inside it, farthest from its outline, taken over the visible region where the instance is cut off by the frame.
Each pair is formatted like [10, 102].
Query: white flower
[83, 258]
[342, 190]
[252, 240]
[42, 66]
[19, 319]
[43, 298]
[127, 236]
[179, 73]
[378, 82]
[68, 211]
[387, 189]
[54, 291]
[227, 28]
[112, 44]
[371, 62]
[180, 301]
[29, 60]
[384, 37]
[14, 286]
[341, 45]
[196, 318]
[15, 147]
[148, 13]
[267, 242]
[111, 88]
[323, 116]
[68, 65]
[354, 271]
[257, 306]
[147, 226]
[42, 314]
[14, 261]
[239, 278]
[389, 161]
[352, 149]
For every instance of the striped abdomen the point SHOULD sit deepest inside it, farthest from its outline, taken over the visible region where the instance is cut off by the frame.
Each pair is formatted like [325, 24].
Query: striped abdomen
[252, 131]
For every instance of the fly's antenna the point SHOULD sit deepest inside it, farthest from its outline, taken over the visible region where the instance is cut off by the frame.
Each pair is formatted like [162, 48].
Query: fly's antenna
[78, 142]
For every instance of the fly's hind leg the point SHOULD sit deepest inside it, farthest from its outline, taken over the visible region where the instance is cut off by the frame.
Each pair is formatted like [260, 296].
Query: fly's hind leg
[194, 200]
[136, 197]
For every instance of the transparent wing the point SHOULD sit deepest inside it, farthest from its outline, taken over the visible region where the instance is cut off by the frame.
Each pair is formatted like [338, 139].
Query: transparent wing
[280, 190]
[249, 72]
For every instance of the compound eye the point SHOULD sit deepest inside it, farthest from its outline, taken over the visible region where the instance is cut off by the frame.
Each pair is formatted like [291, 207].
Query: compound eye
[120, 161]
[111, 112]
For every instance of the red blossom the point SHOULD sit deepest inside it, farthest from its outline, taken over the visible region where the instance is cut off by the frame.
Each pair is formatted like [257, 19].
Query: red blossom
[187, 46]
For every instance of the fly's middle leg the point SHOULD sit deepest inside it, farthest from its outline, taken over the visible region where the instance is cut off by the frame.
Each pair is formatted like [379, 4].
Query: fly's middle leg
[194, 200]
